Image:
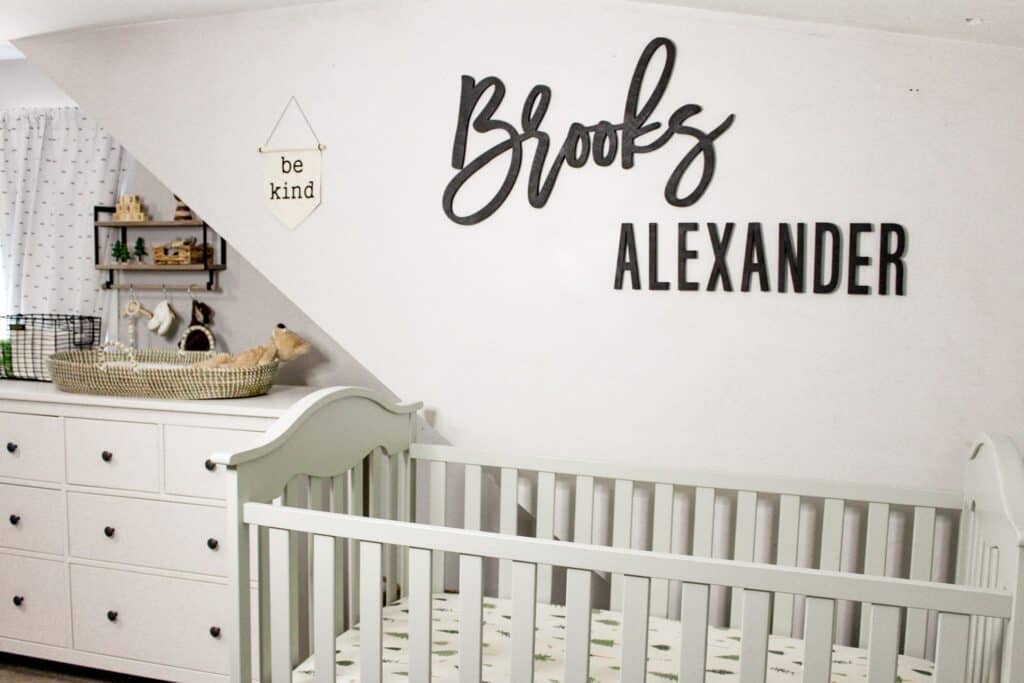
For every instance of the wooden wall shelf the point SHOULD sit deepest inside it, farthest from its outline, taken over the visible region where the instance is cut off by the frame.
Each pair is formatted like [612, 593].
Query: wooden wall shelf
[195, 223]
[211, 269]
[150, 268]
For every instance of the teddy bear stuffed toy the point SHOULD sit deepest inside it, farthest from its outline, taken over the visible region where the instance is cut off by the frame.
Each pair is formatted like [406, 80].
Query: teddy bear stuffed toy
[284, 345]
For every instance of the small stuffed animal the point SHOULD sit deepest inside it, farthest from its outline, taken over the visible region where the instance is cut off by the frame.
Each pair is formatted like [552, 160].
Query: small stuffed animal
[284, 345]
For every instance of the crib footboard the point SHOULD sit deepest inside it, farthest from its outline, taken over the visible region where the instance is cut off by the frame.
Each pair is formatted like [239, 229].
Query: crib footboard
[954, 604]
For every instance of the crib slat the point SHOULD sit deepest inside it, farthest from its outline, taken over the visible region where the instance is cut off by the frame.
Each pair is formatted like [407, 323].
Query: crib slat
[819, 634]
[263, 600]
[743, 547]
[916, 632]
[545, 529]
[524, 619]
[355, 507]
[323, 608]
[832, 534]
[634, 628]
[622, 531]
[471, 509]
[962, 546]
[703, 521]
[339, 503]
[296, 494]
[438, 473]
[978, 570]
[951, 648]
[883, 646]
[757, 607]
[508, 523]
[661, 542]
[402, 494]
[281, 597]
[577, 626]
[989, 658]
[420, 620]
[392, 553]
[380, 505]
[583, 526]
[876, 545]
[789, 536]
[471, 595]
[693, 648]
[370, 651]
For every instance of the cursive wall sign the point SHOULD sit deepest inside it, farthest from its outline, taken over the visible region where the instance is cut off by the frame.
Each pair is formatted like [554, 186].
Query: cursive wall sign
[602, 141]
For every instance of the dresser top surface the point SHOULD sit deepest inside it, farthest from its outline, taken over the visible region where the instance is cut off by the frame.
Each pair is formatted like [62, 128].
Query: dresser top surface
[272, 404]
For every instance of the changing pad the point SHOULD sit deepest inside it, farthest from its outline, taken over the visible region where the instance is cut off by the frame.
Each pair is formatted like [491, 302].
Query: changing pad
[785, 655]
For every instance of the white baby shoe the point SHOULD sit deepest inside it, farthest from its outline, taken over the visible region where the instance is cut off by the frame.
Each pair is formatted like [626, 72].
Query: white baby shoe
[163, 318]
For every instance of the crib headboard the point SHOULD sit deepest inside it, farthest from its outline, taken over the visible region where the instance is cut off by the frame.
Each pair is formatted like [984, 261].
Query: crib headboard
[992, 546]
[323, 438]
[305, 440]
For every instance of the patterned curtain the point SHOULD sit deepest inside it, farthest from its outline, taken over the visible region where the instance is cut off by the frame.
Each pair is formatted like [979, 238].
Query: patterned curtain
[55, 165]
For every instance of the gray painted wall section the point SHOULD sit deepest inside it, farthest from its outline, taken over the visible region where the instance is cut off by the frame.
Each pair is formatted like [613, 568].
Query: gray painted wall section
[245, 310]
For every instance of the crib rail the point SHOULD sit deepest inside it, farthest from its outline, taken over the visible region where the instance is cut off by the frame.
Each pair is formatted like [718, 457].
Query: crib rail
[955, 604]
[834, 501]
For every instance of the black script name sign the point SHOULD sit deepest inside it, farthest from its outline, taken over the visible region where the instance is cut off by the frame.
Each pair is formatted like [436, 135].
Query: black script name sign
[602, 141]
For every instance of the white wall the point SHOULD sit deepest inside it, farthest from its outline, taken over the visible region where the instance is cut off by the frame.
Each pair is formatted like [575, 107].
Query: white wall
[512, 329]
[23, 85]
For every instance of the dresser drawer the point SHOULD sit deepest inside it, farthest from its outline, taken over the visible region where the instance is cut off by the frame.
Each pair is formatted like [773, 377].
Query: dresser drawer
[148, 533]
[31, 447]
[120, 455]
[33, 600]
[150, 618]
[33, 519]
[186, 452]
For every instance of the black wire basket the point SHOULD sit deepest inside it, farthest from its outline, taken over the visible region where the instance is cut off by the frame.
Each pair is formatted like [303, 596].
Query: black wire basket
[33, 337]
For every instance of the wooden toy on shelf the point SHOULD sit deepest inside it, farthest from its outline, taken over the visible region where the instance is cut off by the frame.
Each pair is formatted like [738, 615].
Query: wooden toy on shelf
[181, 252]
[182, 212]
[129, 209]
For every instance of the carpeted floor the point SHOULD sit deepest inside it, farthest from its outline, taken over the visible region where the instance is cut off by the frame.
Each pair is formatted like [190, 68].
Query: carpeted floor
[15, 669]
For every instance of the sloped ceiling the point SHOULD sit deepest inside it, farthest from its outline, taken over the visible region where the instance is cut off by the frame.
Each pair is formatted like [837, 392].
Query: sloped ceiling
[999, 22]
[986, 21]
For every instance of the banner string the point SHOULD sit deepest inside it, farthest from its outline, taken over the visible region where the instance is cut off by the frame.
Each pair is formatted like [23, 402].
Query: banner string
[319, 145]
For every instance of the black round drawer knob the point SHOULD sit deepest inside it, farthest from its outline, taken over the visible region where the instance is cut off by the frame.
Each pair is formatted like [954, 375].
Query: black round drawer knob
[18, 599]
[14, 519]
[107, 456]
[210, 465]
[11, 446]
[108, 531]
[215, 631]
[212, 543]
[111, 615]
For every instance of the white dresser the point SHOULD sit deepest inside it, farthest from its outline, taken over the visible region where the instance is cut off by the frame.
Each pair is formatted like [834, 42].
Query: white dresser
[111, 527]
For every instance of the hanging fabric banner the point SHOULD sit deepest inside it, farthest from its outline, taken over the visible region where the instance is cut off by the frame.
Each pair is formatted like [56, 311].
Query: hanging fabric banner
[291, 176]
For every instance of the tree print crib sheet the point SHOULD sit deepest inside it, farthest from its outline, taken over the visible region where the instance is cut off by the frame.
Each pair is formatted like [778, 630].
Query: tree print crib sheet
[785, 655]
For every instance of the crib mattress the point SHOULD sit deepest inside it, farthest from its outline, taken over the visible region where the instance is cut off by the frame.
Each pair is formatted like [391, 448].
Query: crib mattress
[785, 655]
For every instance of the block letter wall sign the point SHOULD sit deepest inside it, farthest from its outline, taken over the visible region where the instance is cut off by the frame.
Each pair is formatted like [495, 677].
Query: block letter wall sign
[291, 175]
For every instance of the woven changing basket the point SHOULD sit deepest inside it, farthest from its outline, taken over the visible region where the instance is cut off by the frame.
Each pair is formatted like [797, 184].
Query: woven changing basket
[152, 373]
